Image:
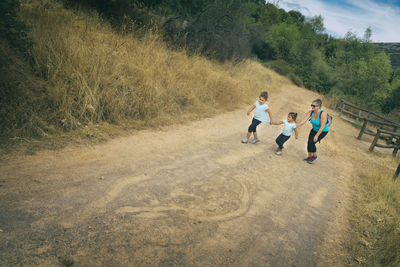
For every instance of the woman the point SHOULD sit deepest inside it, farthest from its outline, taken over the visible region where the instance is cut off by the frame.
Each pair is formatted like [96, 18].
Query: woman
[319, 130]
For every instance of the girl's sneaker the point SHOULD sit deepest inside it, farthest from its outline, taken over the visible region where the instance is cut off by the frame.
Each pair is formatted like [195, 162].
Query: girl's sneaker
[278, 151]
[255, 140]
[312, 160]
[245, 140]
[307, 159]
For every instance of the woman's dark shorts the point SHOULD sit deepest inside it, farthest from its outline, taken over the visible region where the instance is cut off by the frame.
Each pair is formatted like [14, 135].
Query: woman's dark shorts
[311, 144]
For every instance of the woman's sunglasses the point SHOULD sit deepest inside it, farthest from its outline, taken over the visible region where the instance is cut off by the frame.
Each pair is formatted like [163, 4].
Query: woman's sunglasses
[313, 106]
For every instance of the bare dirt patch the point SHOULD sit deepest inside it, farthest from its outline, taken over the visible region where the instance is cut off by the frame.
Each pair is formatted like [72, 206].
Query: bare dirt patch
[186, 195]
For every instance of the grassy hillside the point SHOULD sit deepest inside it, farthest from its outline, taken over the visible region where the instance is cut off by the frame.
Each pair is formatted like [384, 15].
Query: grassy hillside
[83, 74]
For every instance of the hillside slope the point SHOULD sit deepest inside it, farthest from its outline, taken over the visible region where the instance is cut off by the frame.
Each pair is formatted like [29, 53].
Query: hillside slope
[393, 50]
[185, 195]
[83, 74]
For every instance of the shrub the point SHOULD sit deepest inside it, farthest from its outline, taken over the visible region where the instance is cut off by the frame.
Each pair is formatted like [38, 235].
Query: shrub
[285, 69]
[12, 30]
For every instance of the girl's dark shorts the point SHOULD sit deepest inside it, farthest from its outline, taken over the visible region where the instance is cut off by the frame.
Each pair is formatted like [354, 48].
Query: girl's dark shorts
[253, 125]
[281, 139]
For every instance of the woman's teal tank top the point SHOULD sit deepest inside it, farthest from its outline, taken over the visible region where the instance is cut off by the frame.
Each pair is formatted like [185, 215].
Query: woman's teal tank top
[316, 124]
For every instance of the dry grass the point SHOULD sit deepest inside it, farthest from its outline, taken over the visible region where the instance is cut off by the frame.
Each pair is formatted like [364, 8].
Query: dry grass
[92, 75]
[85, 80]
[373, 209]
[375, 216]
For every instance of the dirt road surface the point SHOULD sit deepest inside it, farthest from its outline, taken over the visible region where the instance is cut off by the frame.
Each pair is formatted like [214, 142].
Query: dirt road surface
[188, 195]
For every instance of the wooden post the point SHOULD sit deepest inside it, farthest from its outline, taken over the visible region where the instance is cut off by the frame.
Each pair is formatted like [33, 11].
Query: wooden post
[359, 115]
[395, 151]
[397, 144]
[396, 174]
[378, 133]
[339, 104]
[362, 129]
[395, 129]
[341, 108]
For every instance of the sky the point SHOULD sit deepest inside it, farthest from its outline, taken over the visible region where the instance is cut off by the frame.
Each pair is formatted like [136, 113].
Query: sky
[342, 16]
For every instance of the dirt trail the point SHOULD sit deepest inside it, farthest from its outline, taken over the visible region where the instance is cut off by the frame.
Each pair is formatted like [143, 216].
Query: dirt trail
[188, 195]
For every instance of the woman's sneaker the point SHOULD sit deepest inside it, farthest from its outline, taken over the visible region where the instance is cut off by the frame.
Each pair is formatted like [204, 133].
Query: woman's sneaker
[245, 140]
[255, 140]
[312, 160]
[307, 159]
[278, 151]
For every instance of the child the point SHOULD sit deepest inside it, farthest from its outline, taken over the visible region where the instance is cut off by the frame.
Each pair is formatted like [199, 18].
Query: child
[288, 128]
[260, 115]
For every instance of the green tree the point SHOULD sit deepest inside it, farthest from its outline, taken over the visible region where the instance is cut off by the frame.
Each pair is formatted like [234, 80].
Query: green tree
[368, 34]
[362, 71]
[392, 101]
[284, 38]
[12, 30]
[219, 31]
[317, 24]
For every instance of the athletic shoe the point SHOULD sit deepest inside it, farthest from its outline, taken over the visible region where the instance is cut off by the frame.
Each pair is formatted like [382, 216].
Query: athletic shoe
[278, 151]
[312, 160]
[307, 159]
[245, 140]
[255, 140]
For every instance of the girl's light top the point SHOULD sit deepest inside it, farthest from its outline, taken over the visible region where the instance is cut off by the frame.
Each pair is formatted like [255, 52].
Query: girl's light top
[316, 124]
[261, 112]
[288, 128]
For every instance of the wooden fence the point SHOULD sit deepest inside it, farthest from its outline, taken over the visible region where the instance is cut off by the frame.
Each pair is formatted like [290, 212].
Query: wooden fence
[392, 140]
[368, 117]
[376, 125]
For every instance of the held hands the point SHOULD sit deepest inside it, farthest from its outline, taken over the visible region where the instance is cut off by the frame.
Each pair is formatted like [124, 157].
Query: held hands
[276, 122]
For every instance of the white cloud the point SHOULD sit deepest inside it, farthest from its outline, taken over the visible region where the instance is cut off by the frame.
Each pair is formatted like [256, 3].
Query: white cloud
[355, 16]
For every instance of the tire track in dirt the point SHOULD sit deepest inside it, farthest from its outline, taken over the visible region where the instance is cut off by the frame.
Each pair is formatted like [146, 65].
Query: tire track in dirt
[154, 212]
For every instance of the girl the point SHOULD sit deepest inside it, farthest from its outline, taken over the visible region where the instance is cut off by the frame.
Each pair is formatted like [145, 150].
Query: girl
[260, 115]
[319, 130]
[288, 128]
